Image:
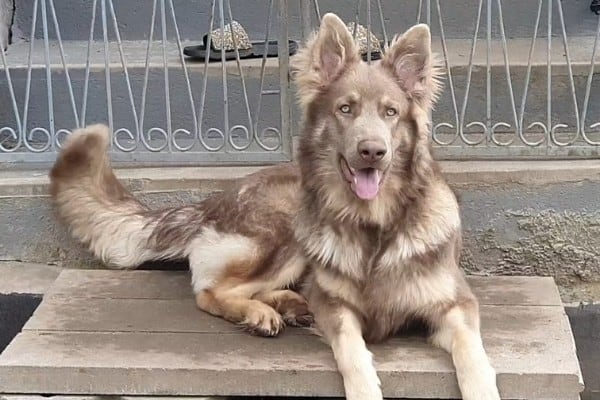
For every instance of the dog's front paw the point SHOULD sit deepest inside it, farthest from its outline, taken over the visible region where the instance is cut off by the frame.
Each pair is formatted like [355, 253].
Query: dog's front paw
[363, 383]
[363, 391]
[480, 385]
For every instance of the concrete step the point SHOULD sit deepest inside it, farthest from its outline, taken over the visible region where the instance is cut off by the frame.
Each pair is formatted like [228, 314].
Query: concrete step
[21, 289]
[459, 17]
[95, 334]
[501, 110]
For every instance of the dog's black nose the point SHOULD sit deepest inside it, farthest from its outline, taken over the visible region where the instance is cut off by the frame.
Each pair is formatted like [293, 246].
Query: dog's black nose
[371, 150]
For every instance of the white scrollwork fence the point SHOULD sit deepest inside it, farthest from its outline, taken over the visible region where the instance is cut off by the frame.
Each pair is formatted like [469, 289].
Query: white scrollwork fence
[238, 130]
[521, 78]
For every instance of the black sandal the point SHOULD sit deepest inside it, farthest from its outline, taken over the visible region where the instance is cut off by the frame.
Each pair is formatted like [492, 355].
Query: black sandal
[361, 41]
[246, 48]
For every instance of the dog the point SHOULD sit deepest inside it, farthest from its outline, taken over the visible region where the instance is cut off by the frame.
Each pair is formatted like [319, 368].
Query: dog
[364, 223]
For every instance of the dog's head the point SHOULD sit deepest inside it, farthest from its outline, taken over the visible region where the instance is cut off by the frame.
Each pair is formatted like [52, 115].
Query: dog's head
[365, 121]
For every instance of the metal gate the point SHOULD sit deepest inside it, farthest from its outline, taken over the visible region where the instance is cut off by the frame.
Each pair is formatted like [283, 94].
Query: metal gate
[521, 79]
[532, 94]
[161, 107]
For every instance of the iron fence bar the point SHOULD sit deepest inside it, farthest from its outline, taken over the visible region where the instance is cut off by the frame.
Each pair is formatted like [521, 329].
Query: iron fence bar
[86, 79]
[204, 89]
[188, 84]
[588, 89]
[117, 132]
[526, 87]
[488, 73]
[382, 22]
[553, 138]
[284, 82]
[16, 136]
[549, 73]
[468, 87]
[305, 18]
[510, 86]
[51, 136]
[163, 25]
[446, 56]
[369, 44]
[248, 133]
[65, 67]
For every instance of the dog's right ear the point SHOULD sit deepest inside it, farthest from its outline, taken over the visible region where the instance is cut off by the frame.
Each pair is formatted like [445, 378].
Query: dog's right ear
[324, 58]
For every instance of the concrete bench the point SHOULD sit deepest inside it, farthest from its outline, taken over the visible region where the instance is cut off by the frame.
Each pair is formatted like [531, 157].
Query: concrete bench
[104, 332]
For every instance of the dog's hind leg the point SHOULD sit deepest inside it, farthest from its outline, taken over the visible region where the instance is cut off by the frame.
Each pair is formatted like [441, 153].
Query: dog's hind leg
[291, 305]
[234, 277]
[458, 333]
[222, 265]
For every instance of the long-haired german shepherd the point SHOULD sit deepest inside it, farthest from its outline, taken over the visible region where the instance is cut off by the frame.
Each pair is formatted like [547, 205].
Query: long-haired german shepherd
[364, 224]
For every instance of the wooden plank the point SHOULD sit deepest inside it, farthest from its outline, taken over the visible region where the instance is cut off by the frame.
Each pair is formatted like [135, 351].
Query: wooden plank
[176, 285]
[192, 364]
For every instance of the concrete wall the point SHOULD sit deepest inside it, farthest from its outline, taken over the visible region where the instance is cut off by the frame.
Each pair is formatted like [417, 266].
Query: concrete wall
[549, 228]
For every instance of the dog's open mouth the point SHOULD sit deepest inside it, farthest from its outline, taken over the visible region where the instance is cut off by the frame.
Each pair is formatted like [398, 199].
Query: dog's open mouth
[364, 182]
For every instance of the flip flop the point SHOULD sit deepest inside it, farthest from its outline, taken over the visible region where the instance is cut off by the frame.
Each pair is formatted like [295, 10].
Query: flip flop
[220, 42]
[361, 41]
[272, 48]
[246, 48]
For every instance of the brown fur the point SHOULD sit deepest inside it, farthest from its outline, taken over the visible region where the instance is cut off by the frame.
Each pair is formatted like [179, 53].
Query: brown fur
[364, 224]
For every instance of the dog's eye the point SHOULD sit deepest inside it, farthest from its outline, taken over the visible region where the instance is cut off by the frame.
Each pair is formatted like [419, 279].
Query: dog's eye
[345, 109]
[390, 112]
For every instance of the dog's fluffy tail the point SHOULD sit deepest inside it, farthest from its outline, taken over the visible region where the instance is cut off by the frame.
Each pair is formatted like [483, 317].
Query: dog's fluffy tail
[98, 210]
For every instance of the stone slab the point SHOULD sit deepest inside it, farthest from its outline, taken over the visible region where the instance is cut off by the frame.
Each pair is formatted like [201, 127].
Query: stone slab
[164, 285]
[160, 285]
[193, 364]
[139, 333]
[29, 278]
[146, 315]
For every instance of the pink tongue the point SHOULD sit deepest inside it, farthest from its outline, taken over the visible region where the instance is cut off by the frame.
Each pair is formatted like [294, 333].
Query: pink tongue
[366, 183]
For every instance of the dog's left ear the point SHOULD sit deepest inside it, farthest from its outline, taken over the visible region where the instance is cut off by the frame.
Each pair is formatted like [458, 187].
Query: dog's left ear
[410, 59]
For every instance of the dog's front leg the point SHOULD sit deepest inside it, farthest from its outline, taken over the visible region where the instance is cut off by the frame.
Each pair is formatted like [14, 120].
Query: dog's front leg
[458, 333]
[342, 330]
